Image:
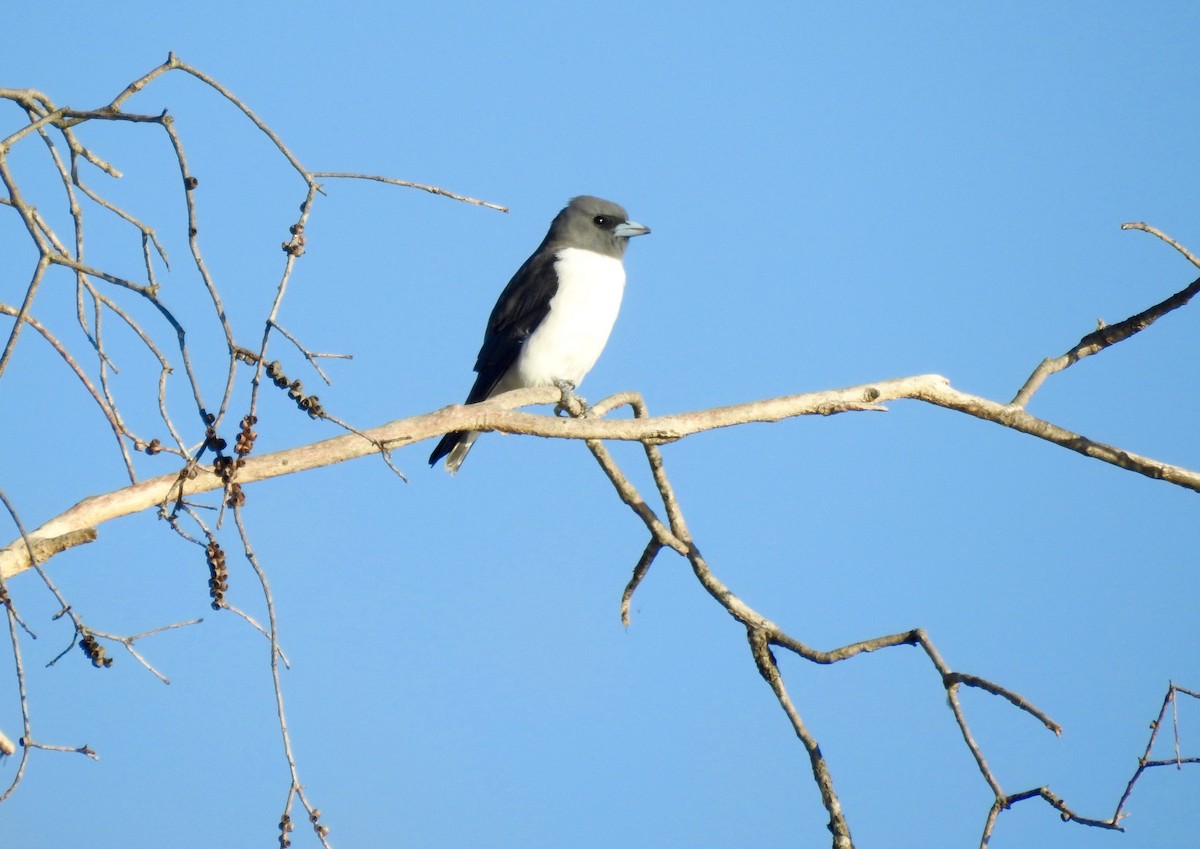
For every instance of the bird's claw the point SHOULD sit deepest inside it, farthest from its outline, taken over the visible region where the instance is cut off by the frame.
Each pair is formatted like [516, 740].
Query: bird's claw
[569, 399]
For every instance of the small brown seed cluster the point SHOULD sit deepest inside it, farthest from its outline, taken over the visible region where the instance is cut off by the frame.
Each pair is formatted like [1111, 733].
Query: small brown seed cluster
[295, 245]
[314, 818]
[310, 404]
[218, 576]
[226, 467]
[95, 652]
[212, 442]
[285, 828]
[246, 437]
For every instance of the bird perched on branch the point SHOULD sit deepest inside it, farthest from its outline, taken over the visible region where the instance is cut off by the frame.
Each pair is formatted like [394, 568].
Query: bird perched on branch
[554, 317]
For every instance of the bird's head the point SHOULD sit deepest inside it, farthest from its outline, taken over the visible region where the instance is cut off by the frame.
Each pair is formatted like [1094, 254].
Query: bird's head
[595, 224]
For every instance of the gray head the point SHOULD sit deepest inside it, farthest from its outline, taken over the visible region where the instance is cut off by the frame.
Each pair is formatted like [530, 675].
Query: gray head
[595, 225]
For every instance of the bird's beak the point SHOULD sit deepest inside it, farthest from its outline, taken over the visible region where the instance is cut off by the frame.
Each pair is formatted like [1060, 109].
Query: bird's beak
[630, 228]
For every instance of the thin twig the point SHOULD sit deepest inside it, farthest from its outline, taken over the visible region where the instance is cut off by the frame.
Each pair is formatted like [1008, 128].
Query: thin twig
[311, 356]
[129, 641]
[88, 751]
[392, 181]
[237, 611]
[273, 625]
[1106, 336]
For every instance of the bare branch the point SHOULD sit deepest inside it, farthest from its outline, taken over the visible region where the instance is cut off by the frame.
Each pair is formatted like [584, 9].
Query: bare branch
[1154, 231]
[129, 641]
[392, 181]
[1108, 335]
[273, 632]
[87, 751]
[311, 356]
[995, 689]
[495, 415]
[765, 661]
[1144, 762]
[253, 623]
[762, 633]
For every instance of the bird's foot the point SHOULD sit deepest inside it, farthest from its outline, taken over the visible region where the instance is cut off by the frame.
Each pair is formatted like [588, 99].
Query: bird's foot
[571, 404]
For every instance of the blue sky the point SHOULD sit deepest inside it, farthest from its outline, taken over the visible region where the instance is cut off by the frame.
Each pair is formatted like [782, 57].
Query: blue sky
[837, 196]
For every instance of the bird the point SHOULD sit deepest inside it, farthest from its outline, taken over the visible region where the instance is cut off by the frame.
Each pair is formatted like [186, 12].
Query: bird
[555, 315]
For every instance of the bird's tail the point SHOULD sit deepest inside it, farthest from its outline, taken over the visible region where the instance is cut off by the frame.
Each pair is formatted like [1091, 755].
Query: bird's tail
[454, 447]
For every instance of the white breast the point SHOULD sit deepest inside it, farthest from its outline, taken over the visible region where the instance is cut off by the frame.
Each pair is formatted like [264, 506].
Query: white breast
[569, 340]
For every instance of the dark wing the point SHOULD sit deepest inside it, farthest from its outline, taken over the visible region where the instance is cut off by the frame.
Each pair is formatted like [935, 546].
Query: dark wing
[523, 304]
[521, 307]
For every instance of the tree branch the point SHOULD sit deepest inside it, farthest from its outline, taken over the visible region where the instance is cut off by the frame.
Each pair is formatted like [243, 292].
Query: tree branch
[497, 415]
[1107, 335]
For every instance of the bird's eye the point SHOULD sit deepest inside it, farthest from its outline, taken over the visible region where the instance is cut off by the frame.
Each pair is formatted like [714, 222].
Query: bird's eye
[600, 221]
